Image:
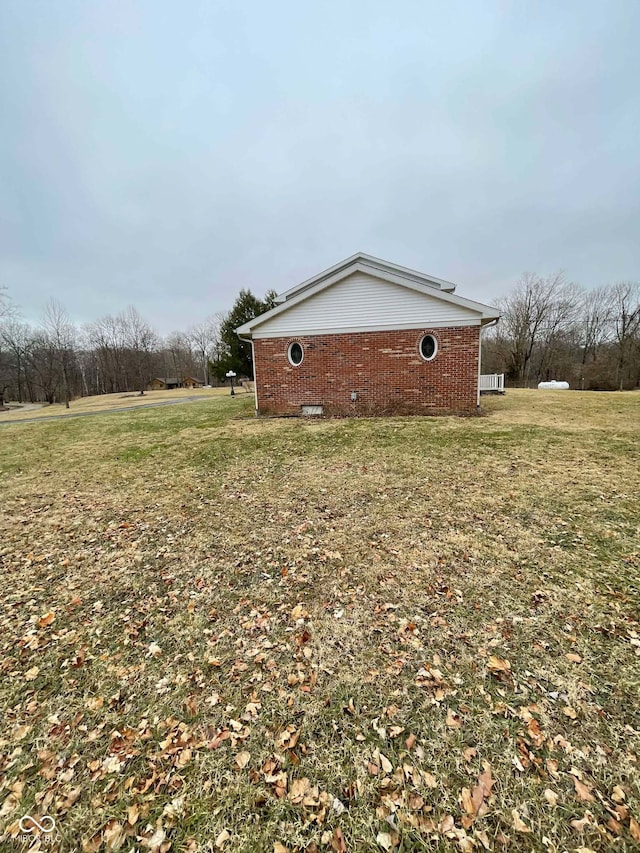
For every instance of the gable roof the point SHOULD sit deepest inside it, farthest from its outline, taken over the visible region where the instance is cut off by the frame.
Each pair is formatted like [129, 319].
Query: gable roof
[383, 270]
[374, 264]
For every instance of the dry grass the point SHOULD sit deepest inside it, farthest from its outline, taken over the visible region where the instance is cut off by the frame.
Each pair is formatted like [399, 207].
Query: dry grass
[103, 403]
[403, 633]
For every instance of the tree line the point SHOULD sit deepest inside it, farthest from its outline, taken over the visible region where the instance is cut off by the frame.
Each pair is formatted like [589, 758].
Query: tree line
[56, 360]
[549, 329]
[552, 329]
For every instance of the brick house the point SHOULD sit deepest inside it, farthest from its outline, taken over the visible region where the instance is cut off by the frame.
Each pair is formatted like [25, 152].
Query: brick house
[368, 337]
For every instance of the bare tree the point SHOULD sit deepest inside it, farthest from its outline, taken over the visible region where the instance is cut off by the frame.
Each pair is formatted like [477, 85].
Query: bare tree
[44, 366]
[533, 315]
[15, 338]
[625, 298]
[595, 321]
[142, 342]
[61, 335]
[205, 337]
[178, 356]
[5, 309]
[106, 337]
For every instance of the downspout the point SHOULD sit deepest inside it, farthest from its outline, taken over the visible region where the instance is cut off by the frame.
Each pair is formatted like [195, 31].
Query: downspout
[253, 361]
[482, 328]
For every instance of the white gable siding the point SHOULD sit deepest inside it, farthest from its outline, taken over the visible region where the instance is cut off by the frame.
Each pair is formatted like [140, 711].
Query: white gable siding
[362, 302]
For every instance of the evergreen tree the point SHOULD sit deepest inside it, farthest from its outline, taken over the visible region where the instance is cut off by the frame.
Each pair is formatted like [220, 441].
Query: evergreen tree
[236, 354]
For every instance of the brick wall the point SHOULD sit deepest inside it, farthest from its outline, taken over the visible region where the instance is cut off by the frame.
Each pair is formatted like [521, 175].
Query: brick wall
[384, 368]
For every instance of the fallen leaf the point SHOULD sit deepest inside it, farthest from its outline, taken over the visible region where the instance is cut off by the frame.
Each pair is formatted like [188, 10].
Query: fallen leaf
[299, 788]
[634, 828]
[93, 844]
[242, 759]
[535, 733]
[518, 824]
[430, 780]
[384, 840]
[446, 824]
[46, 619]
[499, 667]
[618, 795]
[580, 825]
[114, 835]
[289, 738]
[614, 826]
[9, 805]
[338, 844]
[483, 838]
[469, 753]
[472, 800]
[454, 720]
[551, 797]
[21, 731]
[485, 779]
[552, 767]
[386, 765]
[222, 839]
[154, 650]
[573, 657]
[582, 791]
[72, 797]
[279, 848]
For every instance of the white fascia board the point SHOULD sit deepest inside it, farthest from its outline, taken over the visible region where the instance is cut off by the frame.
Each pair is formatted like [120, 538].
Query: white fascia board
[485, 311]
[352, 330]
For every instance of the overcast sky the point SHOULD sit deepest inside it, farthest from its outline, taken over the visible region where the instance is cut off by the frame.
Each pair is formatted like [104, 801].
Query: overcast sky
[166, 153]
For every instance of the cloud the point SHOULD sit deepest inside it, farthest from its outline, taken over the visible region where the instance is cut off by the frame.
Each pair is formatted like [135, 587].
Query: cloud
[167, 156]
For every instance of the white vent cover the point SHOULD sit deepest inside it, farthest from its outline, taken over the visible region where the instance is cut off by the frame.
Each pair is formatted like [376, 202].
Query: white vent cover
[309, 411]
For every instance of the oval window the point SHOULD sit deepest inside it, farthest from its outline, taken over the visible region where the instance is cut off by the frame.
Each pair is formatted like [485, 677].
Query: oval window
[428, 347]
[296, 353]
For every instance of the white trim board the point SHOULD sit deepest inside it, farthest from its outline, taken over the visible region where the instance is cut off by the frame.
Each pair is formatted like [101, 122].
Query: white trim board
[352, 330]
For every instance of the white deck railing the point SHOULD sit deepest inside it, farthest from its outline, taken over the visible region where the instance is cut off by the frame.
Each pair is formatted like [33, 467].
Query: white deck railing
[492, 382]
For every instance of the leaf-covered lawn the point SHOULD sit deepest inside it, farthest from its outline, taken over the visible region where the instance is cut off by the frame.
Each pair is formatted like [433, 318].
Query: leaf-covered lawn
[350, 635]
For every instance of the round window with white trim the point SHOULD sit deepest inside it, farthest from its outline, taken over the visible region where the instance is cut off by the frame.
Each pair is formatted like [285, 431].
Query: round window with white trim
[295, 354]
[428, 347]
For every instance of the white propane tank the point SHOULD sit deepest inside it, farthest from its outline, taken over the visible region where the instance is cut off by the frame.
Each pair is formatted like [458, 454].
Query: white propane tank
[553, 385]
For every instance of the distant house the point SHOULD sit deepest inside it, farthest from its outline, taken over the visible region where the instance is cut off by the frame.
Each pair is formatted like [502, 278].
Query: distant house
[368, 337]
[168, 383]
